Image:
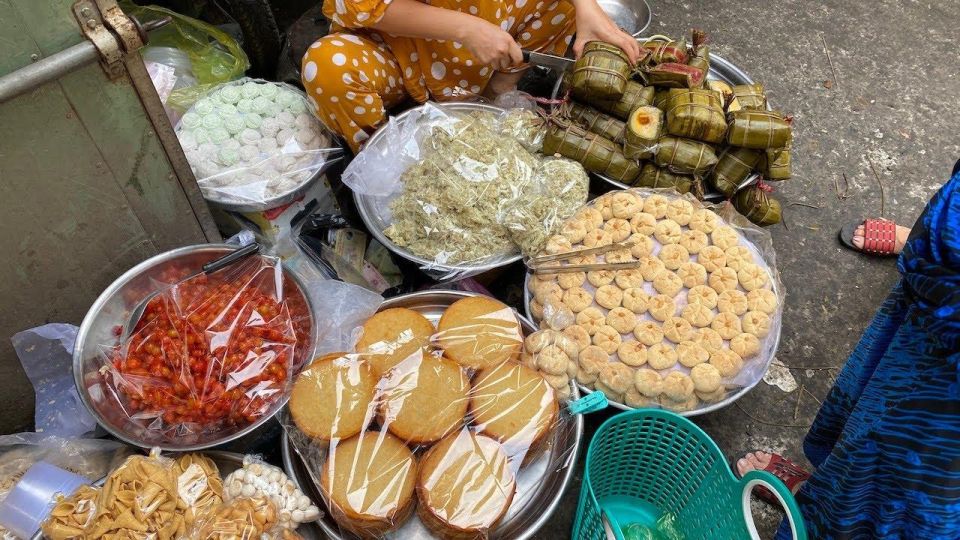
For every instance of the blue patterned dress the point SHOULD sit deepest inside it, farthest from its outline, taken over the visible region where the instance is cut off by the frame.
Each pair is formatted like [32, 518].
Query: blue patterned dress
[886, 443]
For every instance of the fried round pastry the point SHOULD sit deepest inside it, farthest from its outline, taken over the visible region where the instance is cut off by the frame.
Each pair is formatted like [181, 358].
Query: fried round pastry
[618, 256]
[592, 217]
[648, 333]
[703, 295]
[677, 386]
[643, 223]
[392, 335]
[592, 358]
[552, 360]
[632, 353]
[368, 482]
[762, 300]
[625, 204]
[705, 378]
[745, 345]
[607, 391]
[727, 325]
[633, 398]
[680, 210]
[692, 274]
[604, 204]
[609, 296]
[661, 356]
[650, 267]
[697, 315]
[568, 280]
[465, 486]
[712, 258]
[513, 405]
[724, 237]
[727, 362]
[619, 229]
[574, 230]
[656, 205]
[732, 301]
[694, 240]
[591, 319]
[661, 306]
[648, 382]
[558, 244]
[536, 310]
[756, 323]
[679, 406]
[423, 400]
[577, 299]
[334, 378]
[713, 397]
[673, 255]
[546, 292]
[642, 245]
[599, 278]
[607, 338]
[677, 329]
[578, 334]
[737, 256]
[703, 220]
[752, 277]
[635, 299]
[597, 238]
[723, 279]
[587, 379]
[668, 283]
[690, 354]
[479, 332]
[667, 231]
[617, 377]
[629, 278]
[708, 338]
[622, 320]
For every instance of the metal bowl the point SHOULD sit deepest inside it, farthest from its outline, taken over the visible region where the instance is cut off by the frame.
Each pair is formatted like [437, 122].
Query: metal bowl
[273, 202]
[540, 485]
[631, 15]
[720, 69]
[374, 209]
[112, 309]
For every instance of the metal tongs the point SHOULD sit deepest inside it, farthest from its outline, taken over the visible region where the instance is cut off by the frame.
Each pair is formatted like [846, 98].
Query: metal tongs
[542, 264]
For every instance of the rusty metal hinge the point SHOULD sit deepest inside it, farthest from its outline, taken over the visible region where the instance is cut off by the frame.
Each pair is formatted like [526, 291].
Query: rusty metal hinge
[111, 31]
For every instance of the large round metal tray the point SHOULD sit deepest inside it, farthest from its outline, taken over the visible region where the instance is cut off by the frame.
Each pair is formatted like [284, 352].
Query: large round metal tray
[540, 485]
[633, 16]
[720, 69]
[374, 209]
[113, 308]
[769, 344]
[227, 462]
[278, 201]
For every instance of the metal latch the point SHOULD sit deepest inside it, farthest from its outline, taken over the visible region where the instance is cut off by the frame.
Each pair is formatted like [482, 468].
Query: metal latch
[110, 30]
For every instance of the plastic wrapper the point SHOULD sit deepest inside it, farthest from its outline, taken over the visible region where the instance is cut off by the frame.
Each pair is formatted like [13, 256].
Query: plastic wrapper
[433, 427]
[256, 478]
[71, 515]
[214, 56]
[691, 318]
[243, 518]
[210, 354]
[458, 192]
[251, 142]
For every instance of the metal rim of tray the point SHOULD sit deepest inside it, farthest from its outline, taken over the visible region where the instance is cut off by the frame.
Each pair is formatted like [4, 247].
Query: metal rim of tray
[365, 206]
[98, 305]
[720, 68]
[274, 202]
[546, 492]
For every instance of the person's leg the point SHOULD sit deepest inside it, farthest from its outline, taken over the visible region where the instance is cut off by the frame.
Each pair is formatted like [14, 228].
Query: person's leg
[351, 81]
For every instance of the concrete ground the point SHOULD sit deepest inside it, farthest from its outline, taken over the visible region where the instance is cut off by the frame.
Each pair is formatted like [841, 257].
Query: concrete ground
[890, 102]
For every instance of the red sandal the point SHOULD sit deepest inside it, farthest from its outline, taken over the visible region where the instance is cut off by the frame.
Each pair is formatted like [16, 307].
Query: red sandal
[879, 236]
[791, 474]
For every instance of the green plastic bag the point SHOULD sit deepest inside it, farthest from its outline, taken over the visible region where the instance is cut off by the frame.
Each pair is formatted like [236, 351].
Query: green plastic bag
[666, 529]
[215, 57]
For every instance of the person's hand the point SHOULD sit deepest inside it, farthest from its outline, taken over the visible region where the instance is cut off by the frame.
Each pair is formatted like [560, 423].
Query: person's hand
[593, 24]
[490, 45]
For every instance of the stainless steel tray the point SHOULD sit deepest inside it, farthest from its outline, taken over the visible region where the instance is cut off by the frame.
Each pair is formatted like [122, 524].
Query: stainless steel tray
[770, 344]
[540, 485]
[227, 462]
[633, 16]
[374, 209]
[720, 69]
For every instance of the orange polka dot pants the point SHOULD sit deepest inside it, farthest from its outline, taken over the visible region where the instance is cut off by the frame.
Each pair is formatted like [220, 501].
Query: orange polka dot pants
[353, 77]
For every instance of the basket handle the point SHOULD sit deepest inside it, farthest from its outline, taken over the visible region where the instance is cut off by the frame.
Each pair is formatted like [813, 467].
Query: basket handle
[780, 491]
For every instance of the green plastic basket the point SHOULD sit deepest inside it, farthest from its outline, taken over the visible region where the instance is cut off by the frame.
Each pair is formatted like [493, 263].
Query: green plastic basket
[645, 463]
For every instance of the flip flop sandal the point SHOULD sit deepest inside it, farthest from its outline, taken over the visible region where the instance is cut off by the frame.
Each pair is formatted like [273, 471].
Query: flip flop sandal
[787, 471]
[879, 236]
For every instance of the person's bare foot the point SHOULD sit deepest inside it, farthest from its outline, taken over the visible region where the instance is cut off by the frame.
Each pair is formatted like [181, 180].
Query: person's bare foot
[759, 461]
[902, 234]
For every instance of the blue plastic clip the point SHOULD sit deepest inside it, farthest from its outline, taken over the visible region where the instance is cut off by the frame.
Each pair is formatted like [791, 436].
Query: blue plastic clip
[592, 402]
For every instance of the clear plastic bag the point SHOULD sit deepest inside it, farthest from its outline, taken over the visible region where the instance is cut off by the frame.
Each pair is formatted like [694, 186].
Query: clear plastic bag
[243, 518]
[459, 191]
[693, 318]
[262, 479]
[71, 515]
[444, 420]
[210, 353]
[251, 142]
